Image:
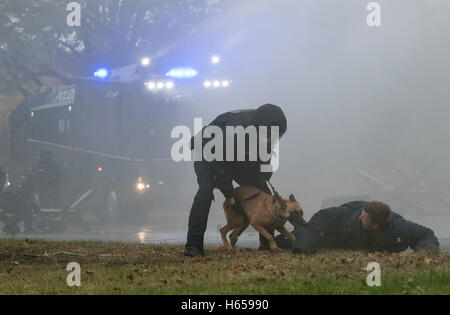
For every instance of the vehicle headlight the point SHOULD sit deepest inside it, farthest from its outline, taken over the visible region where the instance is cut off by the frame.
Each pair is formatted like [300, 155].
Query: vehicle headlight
[160, 85]
[145, 61]
[141, 185]
[217, 83]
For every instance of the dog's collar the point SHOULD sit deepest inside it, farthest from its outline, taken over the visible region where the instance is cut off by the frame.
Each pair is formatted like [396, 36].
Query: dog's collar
[276, 209]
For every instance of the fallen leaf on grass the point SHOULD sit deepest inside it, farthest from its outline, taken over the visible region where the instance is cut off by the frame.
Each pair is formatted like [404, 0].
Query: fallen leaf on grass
[164, 281]
[270, 267]
[234, 270]
[89, 272]
[180, 281]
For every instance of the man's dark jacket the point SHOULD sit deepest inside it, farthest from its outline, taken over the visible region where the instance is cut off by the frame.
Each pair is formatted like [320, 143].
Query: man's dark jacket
[340, 228]
[226, 171]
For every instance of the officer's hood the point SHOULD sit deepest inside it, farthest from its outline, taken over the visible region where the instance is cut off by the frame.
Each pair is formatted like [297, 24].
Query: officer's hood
[270, 115]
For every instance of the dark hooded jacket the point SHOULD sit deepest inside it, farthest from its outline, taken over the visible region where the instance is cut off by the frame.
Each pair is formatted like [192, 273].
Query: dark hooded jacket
[224, 171]
[340, 228]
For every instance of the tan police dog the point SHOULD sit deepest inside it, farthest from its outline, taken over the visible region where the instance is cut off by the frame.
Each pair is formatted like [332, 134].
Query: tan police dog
[264, 212]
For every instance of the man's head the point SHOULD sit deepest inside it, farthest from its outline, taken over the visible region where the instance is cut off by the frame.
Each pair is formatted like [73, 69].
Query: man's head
[375, 216]
[270, 115]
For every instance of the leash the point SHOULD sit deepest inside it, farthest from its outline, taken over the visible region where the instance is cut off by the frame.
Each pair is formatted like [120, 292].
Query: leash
[277, 197]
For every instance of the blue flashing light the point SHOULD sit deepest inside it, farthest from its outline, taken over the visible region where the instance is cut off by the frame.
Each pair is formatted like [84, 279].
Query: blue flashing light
[101, 73]
[182, 73]
[160, 183]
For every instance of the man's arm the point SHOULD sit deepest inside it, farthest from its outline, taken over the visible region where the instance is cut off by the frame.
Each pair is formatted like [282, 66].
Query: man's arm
[419, 237]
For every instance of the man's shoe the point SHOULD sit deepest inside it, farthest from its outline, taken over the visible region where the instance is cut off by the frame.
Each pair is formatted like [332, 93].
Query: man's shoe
[192, 251]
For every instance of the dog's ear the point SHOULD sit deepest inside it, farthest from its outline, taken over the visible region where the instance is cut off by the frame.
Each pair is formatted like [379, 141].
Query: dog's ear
[292, 198]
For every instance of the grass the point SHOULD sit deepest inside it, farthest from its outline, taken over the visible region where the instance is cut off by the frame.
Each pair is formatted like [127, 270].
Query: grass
[31, 267]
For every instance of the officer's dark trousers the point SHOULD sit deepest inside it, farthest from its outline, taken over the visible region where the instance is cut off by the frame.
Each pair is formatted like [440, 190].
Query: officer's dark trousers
[198, 217]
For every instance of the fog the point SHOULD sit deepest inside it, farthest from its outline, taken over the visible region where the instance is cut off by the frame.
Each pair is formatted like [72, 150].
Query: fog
[367, 107]
[356, 97]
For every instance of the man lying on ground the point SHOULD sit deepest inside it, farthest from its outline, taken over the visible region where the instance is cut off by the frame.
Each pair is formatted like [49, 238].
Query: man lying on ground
[359, 225]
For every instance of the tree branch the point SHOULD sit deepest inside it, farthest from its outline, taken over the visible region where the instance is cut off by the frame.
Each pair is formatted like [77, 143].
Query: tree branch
[14, 77]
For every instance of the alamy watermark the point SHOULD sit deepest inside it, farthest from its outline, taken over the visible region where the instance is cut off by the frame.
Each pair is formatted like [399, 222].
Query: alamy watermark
[262, 144]
[74, 277]
[74, 17]
[374, 278]
[374, 17]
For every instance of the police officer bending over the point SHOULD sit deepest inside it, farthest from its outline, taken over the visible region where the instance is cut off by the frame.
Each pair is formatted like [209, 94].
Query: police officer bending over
[220, 174]
[359, 225]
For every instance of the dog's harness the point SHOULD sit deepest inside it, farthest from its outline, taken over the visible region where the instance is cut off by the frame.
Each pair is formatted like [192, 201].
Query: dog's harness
[276, 209]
